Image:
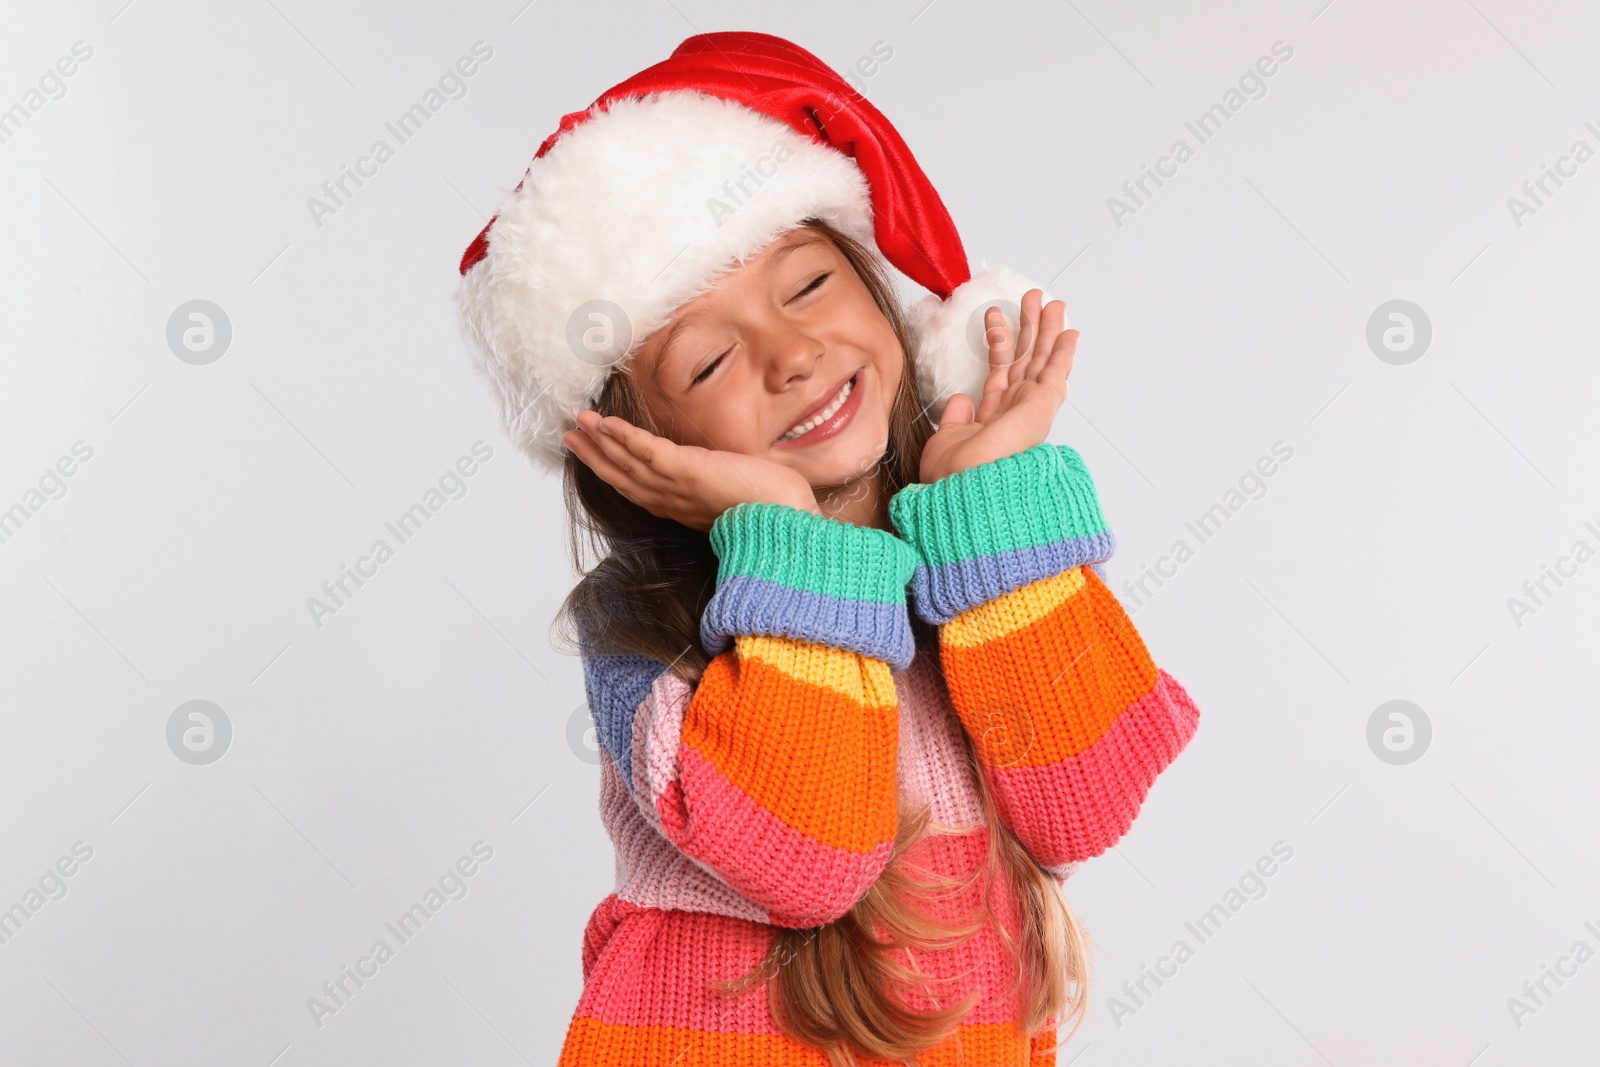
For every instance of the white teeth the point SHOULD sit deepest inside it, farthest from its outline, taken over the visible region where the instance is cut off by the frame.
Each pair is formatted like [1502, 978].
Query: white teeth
[822, 416]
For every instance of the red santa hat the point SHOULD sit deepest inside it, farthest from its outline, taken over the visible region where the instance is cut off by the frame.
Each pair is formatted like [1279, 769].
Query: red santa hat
[640, 202]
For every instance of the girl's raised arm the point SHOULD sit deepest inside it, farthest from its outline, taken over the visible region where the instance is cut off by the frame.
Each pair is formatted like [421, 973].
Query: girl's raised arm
[776, 770]
[1071, 718]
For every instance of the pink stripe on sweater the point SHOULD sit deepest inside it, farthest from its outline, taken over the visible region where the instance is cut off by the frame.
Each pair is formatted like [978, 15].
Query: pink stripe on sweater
[1081, 806]
[657, 732]
[651, 870]
[657, 967]
[799, 880]
[981, 962]
[932, 765]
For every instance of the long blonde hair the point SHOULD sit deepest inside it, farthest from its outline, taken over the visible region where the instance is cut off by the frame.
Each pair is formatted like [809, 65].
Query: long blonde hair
[832, 986]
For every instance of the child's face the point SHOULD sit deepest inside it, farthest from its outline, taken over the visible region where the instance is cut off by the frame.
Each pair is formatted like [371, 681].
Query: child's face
[738, 367]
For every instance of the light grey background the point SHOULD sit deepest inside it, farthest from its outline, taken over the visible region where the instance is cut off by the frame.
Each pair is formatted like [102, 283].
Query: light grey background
[1230, 312]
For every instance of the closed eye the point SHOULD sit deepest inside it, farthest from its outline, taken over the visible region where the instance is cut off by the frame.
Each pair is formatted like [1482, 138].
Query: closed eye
[814, 284]
[698, 378]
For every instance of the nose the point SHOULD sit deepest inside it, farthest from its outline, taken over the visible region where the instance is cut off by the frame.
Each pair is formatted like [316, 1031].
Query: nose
[790, 354]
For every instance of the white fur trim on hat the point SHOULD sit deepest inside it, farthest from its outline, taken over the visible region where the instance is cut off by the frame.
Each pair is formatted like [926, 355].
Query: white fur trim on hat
[952, 356]
[643, 206]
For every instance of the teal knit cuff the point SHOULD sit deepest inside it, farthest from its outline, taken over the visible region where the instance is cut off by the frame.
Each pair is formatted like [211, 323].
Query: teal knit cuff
[790, 572]
[987, 530]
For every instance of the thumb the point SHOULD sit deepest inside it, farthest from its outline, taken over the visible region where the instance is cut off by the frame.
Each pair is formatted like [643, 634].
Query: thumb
[958, 411]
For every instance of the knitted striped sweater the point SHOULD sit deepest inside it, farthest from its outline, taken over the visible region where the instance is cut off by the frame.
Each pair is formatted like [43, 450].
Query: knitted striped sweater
[765, 794]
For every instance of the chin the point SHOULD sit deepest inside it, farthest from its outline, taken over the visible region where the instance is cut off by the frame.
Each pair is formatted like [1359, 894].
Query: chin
[852, 461]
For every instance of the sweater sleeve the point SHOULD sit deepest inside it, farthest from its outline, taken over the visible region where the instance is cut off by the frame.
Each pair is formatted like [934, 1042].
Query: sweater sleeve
[775, 771]
[1070, 717]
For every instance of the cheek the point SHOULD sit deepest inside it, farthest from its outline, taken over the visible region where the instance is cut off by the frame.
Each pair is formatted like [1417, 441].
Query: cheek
[888, 360]
[673, 421]
[724, 418]
[893, 364]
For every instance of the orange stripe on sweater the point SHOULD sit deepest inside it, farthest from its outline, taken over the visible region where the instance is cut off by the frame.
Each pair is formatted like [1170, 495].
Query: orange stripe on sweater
[591, 1043]
[1046, 690]
[807, 731]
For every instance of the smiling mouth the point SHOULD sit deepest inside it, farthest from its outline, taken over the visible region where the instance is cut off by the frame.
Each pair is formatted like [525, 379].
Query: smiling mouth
[826, 413]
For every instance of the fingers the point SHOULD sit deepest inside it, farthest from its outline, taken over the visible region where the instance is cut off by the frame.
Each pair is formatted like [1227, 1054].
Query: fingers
[625, 455]
[635, 450]
[1052, 320]
[957, 411]
[1027, 327]
[584, 446]
[1010, 362]
[1043, 326]
[1001, 355]
[1059, 364]
[635, 442]
[997, 333]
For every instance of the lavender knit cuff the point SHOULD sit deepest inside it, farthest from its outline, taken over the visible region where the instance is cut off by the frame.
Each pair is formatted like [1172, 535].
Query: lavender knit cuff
[993, 528]
[789, 572]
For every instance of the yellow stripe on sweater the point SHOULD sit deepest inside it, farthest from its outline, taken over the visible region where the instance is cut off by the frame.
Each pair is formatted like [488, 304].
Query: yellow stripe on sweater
[1014, 611]
[864, 679]
[1049, 689]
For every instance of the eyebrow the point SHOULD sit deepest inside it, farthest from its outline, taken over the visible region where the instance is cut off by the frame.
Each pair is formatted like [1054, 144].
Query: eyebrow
[689, 319]
[811, 237]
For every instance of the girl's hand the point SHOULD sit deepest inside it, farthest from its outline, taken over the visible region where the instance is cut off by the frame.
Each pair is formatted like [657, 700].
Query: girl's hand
[1026, 385]
[685, 483]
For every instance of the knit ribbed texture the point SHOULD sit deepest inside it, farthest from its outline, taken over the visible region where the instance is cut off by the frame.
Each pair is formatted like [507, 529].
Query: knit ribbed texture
[614, 686]
[989, 529]
[1072, 719]
[786, 571]
[648, 1000]
[765, 794]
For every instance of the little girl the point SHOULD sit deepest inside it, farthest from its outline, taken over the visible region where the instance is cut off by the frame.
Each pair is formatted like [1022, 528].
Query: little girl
[863, 699]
